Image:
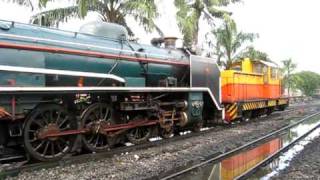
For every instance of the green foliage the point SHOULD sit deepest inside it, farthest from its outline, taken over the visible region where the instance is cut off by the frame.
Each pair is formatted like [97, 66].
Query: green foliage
[288, 66]
[189, 13]
[307, 82]
[231, 40]
[29, 3]
[252, 53]
[115, 11]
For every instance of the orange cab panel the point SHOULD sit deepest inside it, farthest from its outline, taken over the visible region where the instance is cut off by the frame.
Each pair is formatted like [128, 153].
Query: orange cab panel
[246, 82]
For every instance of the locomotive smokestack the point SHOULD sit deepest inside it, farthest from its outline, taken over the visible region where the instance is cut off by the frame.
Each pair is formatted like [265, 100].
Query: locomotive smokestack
[170, 42]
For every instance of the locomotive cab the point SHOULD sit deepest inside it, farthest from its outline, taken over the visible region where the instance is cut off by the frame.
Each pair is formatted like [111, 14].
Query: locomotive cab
[251, 85]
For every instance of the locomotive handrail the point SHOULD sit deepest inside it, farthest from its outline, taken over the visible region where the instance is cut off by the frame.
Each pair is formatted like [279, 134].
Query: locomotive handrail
[60, 72]
[99, 88]
[245, 73]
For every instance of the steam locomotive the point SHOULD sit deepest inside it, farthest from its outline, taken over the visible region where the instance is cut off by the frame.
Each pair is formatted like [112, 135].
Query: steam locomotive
[93, 89]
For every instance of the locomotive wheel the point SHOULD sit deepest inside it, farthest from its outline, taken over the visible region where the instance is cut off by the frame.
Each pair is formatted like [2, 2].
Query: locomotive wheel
[246, 116]
[255, 114]
[282, 107]
[197, 127]
[165, 133]
[45, 119]
[269, 111]
[139, 135]
[96, 115]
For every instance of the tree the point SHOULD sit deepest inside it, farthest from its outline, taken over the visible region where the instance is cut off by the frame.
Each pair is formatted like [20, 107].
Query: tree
[288, 67]
[218, 53]
[231, 40]
[190, 12]
[252, 53]
[307, 82]
[114, 11]
[29, 3]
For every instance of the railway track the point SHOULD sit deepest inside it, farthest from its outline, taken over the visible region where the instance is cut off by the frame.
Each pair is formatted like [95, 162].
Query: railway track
[26, 166]
[95, 156]
[250, 145]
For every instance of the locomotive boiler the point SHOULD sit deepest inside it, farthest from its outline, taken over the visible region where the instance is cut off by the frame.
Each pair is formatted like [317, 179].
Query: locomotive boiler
[93, 89]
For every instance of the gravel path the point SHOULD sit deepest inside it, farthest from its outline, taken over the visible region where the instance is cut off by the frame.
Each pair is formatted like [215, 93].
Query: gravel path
[148, 163]
[306, 165]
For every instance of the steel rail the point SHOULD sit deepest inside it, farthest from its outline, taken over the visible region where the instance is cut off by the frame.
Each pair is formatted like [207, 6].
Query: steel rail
[8, 159]
[231, 152]
[97, 156]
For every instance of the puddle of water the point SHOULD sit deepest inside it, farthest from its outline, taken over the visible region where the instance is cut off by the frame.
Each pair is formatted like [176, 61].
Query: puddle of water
[284, 160]
[237, 164]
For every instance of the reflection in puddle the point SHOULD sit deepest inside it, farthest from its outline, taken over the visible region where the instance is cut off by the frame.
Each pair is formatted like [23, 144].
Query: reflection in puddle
[284, 160]
[237, 164]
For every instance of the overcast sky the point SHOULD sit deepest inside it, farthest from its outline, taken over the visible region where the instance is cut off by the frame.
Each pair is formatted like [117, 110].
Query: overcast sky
[287, 28]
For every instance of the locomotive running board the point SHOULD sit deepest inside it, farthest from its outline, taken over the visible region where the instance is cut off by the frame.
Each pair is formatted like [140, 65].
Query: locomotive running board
[62, 90]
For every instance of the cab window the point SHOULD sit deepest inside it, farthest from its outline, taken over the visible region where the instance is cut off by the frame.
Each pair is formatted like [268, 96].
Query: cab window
[274, 73]
[257, 68]
[236, 68]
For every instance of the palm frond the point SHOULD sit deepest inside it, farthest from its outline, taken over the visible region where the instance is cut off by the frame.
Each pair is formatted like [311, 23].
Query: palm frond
[144, 12]
[53, 17]
[218, 13]
[86, 5]
[26, 3]
[159, 31]
[187, 19]
[189, 12]
[231, 40]
[220, 2]
[122, 21]
[29, 3]
[252, 53]
[241, 38]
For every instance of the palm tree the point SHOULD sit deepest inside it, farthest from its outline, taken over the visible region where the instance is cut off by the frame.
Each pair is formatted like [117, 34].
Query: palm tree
[252, 53]
[231, 40]
[288, 67]
[114, 11]
[190, 12]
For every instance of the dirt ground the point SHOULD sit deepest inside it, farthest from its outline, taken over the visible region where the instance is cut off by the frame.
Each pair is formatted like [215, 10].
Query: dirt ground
[305, 165]
[149, 163]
